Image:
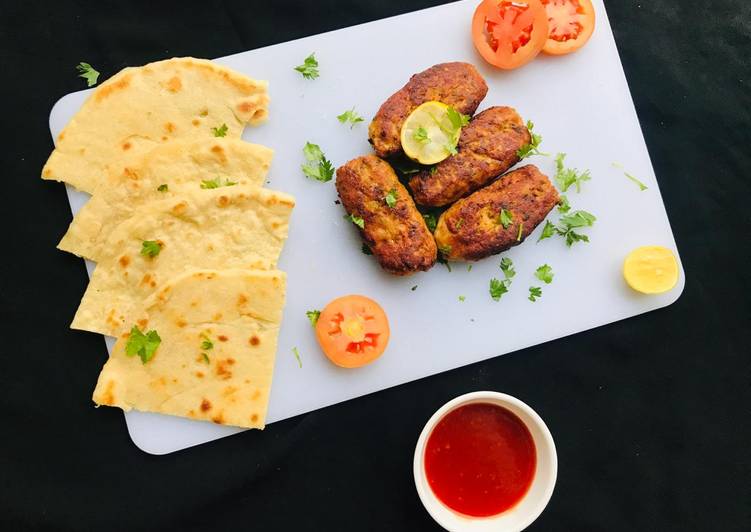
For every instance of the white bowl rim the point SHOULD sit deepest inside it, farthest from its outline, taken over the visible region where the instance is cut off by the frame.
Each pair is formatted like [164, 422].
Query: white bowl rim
[429, 499]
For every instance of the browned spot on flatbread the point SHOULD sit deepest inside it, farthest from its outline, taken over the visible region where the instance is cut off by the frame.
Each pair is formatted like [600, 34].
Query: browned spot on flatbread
[169, 127]
[61, 136]
[217, 316]
[256, 395]
[205, 405]
[124, 261]
[196, 122]
[222, 369]
[142, 323]
[254, 418]
[203, 112]
[108, 397]
[223, 201]
[217, 149]
[229, 390]
[179, 208]
[241, 300]
[180, 322]
[222, 338]
[108, 89]
[218, 419]
[146, 279]
[199, 374]
[174, 84]
[164, 138]
[254, 340]
[192, 413]
[126, 146]
[46, 172]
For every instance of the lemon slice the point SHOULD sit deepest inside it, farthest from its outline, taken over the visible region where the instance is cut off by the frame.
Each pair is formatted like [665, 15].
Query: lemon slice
[651, 269]
[427, 133]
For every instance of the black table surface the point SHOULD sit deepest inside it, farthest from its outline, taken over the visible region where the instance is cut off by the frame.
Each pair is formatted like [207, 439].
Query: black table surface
[650, 415]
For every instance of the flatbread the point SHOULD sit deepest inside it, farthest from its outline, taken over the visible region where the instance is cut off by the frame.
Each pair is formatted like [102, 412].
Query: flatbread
[180, 165]
[140, 107]
[239, 312]
[228, 227]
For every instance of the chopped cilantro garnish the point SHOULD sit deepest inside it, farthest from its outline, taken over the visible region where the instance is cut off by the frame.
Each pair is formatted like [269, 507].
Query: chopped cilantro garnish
[318, 167]
[216, 183]
[350, 116]
[220, 131]
[568, 177]
[521, 230]
[430, 221]
[313, 316]
[533, 148]
[563, 205]
[507, 267]
[498, 288]
[143, 345]
[391, 198]
[421, 135]
[309, 68]
[462, 298]
[150, 248]
[505, 218]
[87, 72]
[206, 358]
[297, 356]
[534, 293]
[545, 274]
[163, 188]
[357, 220]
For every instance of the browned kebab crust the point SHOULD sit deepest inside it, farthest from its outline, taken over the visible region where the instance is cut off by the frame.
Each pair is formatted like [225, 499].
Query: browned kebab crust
[397, 236]
[487, 147]
[471, 229]
[457, 84]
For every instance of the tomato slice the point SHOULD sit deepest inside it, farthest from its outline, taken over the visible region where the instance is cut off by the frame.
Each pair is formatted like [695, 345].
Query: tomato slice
[570, 25]
[352, 331]
[509, 34]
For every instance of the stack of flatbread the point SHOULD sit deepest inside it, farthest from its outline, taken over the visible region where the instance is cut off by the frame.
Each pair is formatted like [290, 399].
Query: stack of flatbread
[185, 239]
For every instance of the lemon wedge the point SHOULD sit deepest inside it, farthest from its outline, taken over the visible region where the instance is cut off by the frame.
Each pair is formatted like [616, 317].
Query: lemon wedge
[651, 269]
[427, 134]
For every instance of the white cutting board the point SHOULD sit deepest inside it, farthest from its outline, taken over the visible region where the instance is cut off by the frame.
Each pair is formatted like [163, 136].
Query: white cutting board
[579, 103]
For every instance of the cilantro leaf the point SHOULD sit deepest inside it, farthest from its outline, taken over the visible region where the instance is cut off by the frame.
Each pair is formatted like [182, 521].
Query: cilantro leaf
[469, 267]
[206, 358]
[533, 148]
[309, 68]
[505, 218]
[391, 198]
[462, 299]
[350, 116]
[507, 267]
[547, 231]
[545, 274]
[521, 230]
[642, 186]
[357, 220]
[297, 356]
[451, 149]
[207, 344]
[163, 188]
[563, 205]
[143, 345]
[444, 250]
[430, 221]
[421, 135]
[220, 131]
[578, 219]
[498, 288]
[313, 316]
[216, 183]
[318, 166]
[87, 72]
[568, 177]
[457, 119]
[150, 248]
[534, 293]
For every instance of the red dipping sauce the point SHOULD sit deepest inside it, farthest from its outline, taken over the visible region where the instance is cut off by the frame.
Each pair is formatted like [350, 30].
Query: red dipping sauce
[480, 459]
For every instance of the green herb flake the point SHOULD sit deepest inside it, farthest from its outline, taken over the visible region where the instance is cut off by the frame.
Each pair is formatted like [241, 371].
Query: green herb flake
[462, 299]
[457, 121]
[430, 221]
[469, 267]
[563, 205]
[568, 177]
[216, 183]
[350, 117]
[642, 186]
[366, 250]
[421, 135]
[498, 288]
[207, 344]
[534, 293]
[162, 188]
[391, 198]
[521, 230]
[433, 170]
[206, 358]
[547, 231]
[297, 356]
[545, 274]
[309, 68]
[358, 221]
[220, 131]
[313, 316]
[87, 72]
[533, 148]
[143, 345]
[507, 267]
[505, 218]
[150, 248]
[318, 167]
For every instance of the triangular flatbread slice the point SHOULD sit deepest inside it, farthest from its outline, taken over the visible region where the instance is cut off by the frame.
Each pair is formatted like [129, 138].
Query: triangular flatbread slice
[215, 359]
[140, 107]
[168, 169]
[228, 227]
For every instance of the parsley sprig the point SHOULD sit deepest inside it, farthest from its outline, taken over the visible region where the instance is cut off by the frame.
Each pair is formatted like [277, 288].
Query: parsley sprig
[318, 167]
[499, 287]
[87, 72]
[568, 177]
[220, 131]
[391, 198]
[567, 226]
[534, 293]
[143, 345]
[533, 148]
[357, 220]
[216, 183]
[505, 218]
[309, 68]
[313, 316]
[150, 248]
[545, 273]
[350, 117]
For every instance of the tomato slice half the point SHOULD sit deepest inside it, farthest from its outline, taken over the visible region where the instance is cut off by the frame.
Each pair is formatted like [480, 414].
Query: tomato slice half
[509, 34]
[352, 331]
[570, 25]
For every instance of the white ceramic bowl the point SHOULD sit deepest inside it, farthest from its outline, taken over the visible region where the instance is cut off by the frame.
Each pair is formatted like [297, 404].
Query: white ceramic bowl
[525, 511]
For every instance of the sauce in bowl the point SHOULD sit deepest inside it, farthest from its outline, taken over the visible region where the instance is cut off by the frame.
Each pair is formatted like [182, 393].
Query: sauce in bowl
[480, 459]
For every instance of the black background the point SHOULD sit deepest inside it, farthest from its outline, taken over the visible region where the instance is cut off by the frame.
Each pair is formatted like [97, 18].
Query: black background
[650, 415]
